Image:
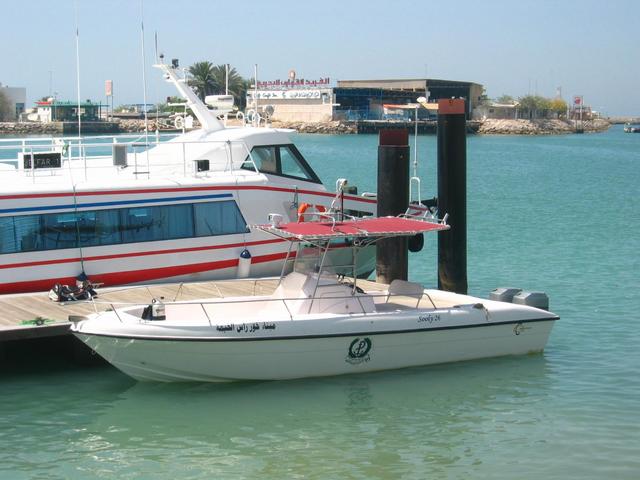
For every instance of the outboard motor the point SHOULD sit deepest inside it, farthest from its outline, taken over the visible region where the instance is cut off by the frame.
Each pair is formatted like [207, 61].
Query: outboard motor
[504, 294]
[532, 299]
[520, 297]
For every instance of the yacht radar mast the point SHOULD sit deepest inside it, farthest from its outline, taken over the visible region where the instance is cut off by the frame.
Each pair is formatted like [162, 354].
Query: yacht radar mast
[206, 118]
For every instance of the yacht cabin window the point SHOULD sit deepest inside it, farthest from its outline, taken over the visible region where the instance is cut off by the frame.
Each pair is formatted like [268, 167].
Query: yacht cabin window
[281, 160]
[89, 228]
[265, 159]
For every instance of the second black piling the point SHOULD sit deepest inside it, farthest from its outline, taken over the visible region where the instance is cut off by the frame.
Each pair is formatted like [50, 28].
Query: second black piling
[452, 195]
[393, 198]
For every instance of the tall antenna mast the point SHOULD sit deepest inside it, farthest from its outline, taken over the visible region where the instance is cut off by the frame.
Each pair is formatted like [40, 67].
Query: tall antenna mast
[78, 70]
[155, 39]
[255, 92]
[144, 79]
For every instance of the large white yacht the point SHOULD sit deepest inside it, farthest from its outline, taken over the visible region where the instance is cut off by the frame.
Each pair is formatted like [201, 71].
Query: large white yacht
[148, 210]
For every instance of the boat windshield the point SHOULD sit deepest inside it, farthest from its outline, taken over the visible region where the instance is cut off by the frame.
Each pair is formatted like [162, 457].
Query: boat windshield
[312, 259]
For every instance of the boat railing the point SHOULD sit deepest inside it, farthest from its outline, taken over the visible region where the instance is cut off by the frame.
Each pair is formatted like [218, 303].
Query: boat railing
[401, 302]
[139, 155]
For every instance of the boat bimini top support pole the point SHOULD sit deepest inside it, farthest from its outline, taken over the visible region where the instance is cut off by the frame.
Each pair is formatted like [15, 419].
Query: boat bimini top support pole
[315, 289]
[284, 264]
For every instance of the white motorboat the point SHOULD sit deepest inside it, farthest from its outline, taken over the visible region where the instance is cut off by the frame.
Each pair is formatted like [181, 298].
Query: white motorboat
[315, 323]
[146, 209]
[632, 127]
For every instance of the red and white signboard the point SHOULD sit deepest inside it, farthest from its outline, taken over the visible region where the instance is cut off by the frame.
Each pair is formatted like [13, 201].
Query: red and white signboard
[108, 88]
[577, 100]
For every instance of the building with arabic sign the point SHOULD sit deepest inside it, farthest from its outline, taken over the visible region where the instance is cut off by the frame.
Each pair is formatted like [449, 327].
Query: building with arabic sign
[316, 101]
[296, 105]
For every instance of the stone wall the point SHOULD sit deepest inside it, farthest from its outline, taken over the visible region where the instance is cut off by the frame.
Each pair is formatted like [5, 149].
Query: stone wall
[489, 126]
[56, 128]
[317, 127]
[66, 128]
[538, 127]
[27, 128]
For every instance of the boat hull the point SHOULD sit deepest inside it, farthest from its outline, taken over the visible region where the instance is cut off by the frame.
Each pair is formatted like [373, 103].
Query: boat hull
[224, 360]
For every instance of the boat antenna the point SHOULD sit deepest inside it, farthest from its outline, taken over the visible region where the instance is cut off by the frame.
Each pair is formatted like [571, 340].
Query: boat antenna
[255, 94]
[415, 144]
[75, 3]
[144, 80]
[155, 38]
[144, 89]
[155, 41]
[415, 179]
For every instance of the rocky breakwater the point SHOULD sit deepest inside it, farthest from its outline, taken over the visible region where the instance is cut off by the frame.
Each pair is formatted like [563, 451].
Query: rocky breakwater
[29, 128]
[137, 125]
[134, 125]
[319, 127]
[56, 128]
[538, 127]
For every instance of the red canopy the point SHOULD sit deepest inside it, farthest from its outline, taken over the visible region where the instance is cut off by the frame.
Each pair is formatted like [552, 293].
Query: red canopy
[365, 227]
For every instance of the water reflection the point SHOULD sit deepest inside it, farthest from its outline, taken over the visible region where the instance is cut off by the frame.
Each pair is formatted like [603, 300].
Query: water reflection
[376, 424]
[385, 423]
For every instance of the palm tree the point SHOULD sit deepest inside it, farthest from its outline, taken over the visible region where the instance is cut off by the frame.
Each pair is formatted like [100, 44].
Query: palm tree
[203, 79]
[209, 79]
[236, 83]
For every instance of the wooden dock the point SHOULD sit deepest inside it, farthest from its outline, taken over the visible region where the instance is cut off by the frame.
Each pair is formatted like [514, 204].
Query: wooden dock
[34, 315]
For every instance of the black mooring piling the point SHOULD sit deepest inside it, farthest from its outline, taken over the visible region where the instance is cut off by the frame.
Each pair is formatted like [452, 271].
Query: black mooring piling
[392, 260]
[452, 195]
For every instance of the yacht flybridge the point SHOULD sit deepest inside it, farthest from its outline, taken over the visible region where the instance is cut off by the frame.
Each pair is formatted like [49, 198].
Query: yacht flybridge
[146, 209]
[315, 323]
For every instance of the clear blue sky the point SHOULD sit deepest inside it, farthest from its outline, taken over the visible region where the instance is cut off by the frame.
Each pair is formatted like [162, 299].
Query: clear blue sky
[588, 47]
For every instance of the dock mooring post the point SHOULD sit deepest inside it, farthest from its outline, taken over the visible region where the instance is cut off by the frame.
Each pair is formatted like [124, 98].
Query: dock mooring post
[392, 259]
[452, 195]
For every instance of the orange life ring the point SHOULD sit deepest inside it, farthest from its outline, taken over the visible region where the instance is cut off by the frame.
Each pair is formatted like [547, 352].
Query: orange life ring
[306, 206]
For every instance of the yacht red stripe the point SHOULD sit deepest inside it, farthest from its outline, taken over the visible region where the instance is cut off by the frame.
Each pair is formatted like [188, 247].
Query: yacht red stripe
[184, 189]
[135, 276]
[139, 254]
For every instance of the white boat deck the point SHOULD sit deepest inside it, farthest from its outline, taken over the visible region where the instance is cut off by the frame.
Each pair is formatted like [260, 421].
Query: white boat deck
[32, 315]
[19, 312]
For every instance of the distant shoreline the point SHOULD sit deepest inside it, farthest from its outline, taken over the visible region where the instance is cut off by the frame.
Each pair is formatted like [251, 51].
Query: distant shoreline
[484, 127]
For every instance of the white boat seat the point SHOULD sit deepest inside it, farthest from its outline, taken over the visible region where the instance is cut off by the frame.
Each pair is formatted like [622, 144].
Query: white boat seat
[291, 286]
[405, 288]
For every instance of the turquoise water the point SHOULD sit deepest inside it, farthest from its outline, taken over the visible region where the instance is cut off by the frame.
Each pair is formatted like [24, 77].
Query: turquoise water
[559, 214]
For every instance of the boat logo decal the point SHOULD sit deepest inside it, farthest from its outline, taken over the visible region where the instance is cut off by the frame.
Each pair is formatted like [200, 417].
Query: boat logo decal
[359, 351]
[520, 327]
